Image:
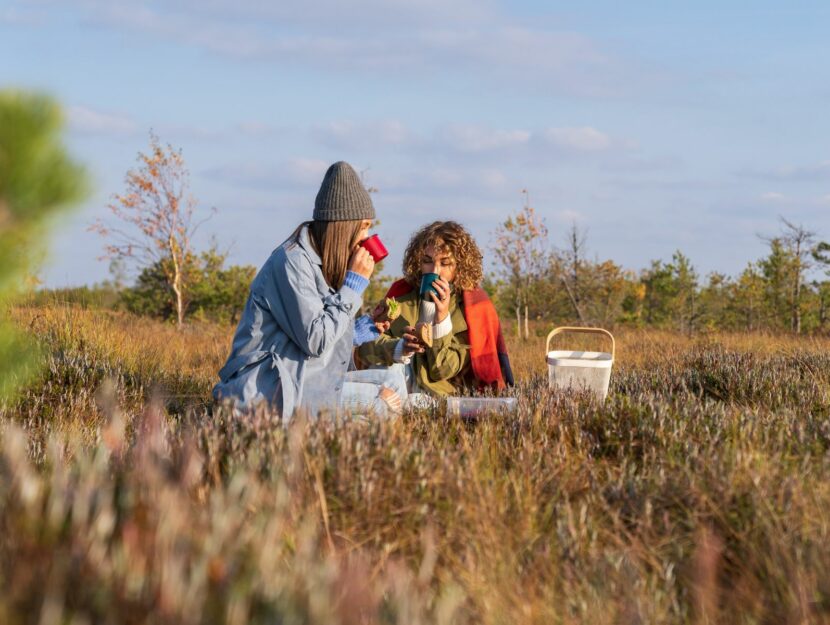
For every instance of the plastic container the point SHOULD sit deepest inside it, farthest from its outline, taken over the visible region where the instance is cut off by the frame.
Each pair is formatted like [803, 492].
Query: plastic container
[580, 370]
[476, 407]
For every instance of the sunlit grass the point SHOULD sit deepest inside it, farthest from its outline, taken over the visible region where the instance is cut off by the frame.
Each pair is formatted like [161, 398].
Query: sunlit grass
[699, 492]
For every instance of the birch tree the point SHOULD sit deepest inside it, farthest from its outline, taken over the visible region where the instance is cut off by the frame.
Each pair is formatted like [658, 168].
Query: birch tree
[800, 242]
[521, 247]
[790, 257]
[155, 219]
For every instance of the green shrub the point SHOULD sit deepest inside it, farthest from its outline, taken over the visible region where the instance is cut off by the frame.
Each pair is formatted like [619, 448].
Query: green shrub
[214, 292]
[37, 179]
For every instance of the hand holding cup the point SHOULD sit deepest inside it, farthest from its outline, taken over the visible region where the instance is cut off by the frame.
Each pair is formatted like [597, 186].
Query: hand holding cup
[362, 263]
[441, 296]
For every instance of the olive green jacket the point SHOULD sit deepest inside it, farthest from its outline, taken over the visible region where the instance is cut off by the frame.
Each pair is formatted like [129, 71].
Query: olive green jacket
[442, 369]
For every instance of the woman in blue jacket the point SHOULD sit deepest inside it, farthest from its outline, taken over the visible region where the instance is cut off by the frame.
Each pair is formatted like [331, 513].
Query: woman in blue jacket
[293, 345]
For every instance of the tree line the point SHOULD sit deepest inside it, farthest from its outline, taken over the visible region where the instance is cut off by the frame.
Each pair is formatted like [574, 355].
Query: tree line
[785, 290]
[153, 224]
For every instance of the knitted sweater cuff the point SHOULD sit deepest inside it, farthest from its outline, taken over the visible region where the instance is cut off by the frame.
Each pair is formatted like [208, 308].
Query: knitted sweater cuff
[355, 282]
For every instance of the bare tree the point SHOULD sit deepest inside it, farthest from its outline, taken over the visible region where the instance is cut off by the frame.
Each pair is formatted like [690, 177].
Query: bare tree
[364, 176]
[799, 241]
[574, 259]
[821, 255]
[521, 247]
[156, 215]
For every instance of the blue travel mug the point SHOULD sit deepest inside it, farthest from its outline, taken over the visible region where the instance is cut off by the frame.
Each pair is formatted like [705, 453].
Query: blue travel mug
[426, 285]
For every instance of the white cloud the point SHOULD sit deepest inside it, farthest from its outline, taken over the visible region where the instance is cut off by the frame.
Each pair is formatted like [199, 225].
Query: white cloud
[292, 173]
[254, 128]
[493, 179]
[305, 170]
[470, 145]
[448, 182]
[468, 138]
[466, 180]
[820, 171]
[392, 132]
[22, 16]
[472, 39]
[773, 197]
[372, 14]
[89, 121]
[634, 164]
[817, 172]
[419, 181]
[578, 139]
[569, 216]
[351, 135]
[803, 203]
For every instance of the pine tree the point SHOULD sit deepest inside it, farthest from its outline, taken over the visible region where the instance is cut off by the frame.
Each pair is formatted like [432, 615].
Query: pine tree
[37, 180]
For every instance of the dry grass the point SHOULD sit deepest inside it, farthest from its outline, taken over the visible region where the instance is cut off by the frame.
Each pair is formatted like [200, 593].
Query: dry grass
[698, 493]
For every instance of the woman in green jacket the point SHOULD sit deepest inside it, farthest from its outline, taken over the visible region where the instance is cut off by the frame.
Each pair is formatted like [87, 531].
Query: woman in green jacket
[456, 311]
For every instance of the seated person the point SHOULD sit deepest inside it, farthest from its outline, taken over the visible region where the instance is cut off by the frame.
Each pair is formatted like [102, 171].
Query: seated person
[450, 339]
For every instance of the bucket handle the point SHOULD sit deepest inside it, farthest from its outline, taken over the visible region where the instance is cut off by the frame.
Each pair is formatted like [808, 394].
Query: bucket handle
[566, 329]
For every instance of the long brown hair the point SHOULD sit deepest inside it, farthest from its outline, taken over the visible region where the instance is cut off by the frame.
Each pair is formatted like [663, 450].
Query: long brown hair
[334, 242]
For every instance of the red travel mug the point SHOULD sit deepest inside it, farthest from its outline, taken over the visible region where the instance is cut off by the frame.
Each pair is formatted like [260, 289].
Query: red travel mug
[374, 246]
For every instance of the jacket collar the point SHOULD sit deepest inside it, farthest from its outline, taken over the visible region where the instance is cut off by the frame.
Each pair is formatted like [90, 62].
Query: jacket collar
[304, 239]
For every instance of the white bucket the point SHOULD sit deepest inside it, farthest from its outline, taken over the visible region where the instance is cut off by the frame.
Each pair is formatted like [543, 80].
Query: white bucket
[580, 370]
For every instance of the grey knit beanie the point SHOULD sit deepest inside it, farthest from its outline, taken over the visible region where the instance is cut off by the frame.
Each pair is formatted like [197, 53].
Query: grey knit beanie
[342, 196]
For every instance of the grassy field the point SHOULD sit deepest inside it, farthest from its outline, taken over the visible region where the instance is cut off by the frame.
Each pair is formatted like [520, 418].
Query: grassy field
[699, 492]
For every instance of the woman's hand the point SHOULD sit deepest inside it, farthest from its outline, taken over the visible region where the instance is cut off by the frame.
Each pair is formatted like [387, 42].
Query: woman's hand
[392, 399]
[377, 311]
[362, 263]
[411, 344]
[442, 300]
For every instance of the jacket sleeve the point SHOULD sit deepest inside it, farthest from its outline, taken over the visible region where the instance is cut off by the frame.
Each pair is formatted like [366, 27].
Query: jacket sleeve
[448, 357]
[364, 330]
[381, 351]
[314, 322]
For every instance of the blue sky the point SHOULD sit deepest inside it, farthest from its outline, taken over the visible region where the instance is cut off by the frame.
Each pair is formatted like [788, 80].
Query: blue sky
[655, 126]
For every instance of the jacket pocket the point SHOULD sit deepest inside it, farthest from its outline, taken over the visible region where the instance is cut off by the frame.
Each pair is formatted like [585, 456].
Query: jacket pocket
[238, 363]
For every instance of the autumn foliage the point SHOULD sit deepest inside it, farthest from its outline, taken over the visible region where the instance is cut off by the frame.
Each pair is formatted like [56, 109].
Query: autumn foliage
[154, 219]
[551, 278]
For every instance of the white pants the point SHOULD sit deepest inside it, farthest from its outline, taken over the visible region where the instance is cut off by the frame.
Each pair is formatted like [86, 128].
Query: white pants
[361, 389]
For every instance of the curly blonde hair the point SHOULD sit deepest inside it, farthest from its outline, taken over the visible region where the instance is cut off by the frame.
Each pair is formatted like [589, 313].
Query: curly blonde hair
[450, 237]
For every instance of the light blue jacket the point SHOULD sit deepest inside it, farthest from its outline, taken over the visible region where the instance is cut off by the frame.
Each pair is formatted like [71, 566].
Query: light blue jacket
[293, 343]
